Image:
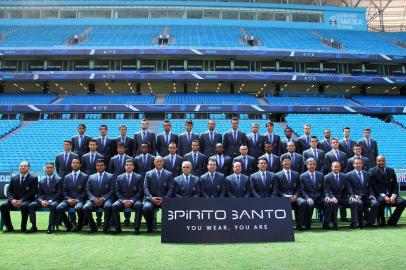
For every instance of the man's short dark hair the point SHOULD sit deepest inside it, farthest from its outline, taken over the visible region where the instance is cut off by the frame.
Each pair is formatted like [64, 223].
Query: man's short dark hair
[121, 144]
[269, 124]
[189, 122]
[68, 141]
[82, 125]
[105, 126]
[92, 140]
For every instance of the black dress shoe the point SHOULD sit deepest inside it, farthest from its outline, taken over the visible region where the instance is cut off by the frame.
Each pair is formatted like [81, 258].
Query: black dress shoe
[10, 229]
[32, 230]
[94, 230]
[326, 226]
[150, 230]
[50, 231]
[23, 230]
[77, 228]
[393, 224]
[99, 223]
[106, 231]
[136, 232]
[69, 228]
[116, 232]
[354, 226]
[127, 222]
[344, 219]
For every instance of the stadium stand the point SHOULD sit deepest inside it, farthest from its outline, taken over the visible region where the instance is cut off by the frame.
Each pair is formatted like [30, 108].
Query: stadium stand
[380, 131]
[28, 98]
[6, 126]
[210, 98]
[400, 119]
[338, 101]
[380, 100]
[108, 99]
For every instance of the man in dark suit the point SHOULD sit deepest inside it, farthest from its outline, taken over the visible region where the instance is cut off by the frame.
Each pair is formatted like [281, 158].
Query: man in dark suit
[158, 185]
[49, 196]
[346, 144]
[165, 138]
[186, 185]
[100, 192]
[224, 163]
[362, 193]
[312, 190]
[325, 144]
[274, 139]
[335, 155]
[255, 142]
[297, 164]
[123, 138]
[238, 184]
[303, 142]
[287, 184]
[198, 160]
[186, 138]
[248, 163]
[117, 163]
[89, 159]
[288, 138]
[209, 139]
[80, 142]
[213, 183]
[105, 145]
[357, 154]
[173, 162]
[317, 154]
[63, 160]
[129, 191]
[21, 192]
[385, 186]
[274, 164]
[74, 195]
[144, 135]
[262, 181]
[233, 139]
[144, 162]
[336, 193]
[369, 147]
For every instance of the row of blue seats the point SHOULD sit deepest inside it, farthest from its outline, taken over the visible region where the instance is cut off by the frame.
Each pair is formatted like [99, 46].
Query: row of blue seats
[6, 126]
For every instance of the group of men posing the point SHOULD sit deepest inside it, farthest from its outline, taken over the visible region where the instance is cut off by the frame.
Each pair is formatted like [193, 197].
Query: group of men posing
[138, 173]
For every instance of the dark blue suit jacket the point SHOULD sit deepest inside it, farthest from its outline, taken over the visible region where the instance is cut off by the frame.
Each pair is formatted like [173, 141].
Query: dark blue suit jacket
[251, 164]
[310, 189]
[192, 190]
[347, 148]
[162, 146]
[64, 167]
[129, 143]
[207, 146]
[227, 165]
[176, 167]
[276, 143]
[200, 167]
[115, 167]
[238, 191]
[370, 152]
[384, 183]
[84, 146]
[255, 149]
[330, 158]
[184, 145]
[217, 189]
[76, 190]
[282, 186]
[26, 191]
[259, 188]
[276, 164]
[320, 158]
[50, 190]
[142, 168]
[88, 166]
[105, 189]
[332, 188]
[150, 137]
[132, 191]
[355, 186]
[158, 188]
[231, 146]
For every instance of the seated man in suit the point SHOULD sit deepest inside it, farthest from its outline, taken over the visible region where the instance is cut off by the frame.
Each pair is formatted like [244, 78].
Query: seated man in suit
[64, 159]
[89, 159]
[144, 135]
[335, 155]
[49, 196]
[209, 139]
[186, 138]
[337, 193]
[262, 181]
[248, 163]
[213, 183]
[165, 138]
[173, 162]
[233, 139]
[317, 154]
[224, 163]
[297, 164]
[357, 154]
[186, 185]
[369, 147]
[312, 190]
[385, 186]
[275, 140]
[274, 164]
[129, 191]
[22, 190]
[361, 192]
[346, 144]
[198, 160]
[158, 184]
[100, 192]
[287, 184]
[238, 184]
[80, 142]
[74, 195]
[255, 142]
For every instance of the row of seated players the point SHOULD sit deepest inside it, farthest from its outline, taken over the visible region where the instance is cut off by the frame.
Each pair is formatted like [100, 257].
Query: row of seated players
[366, 193]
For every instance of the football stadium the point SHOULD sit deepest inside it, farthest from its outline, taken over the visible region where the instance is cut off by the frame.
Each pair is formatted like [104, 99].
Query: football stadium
[201, 134]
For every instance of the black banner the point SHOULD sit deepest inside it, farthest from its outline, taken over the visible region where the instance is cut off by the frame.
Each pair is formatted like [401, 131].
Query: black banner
[226, 220]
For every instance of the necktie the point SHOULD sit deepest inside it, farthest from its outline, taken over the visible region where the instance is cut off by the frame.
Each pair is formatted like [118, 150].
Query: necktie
[144, 160]
[74, 178]
[211, 137]
[194, 158]
[166, 138]
[158, 175]
[80, 141]
[123, 139]
[315, 154]
[245, 162]
[212, 179]
[270, 137]
[99, 180]
[360, 178]
[263, 178]
[65, 160]
[235, 135]
[348, 144]
[337, 155]
[172, 163]
[144, 136]
[307, 140]
[128, 180]
[368, 143]
[383, 172]
[238, 181]
[255, 138]
[121, 161]
[47, 181]
[292, 157]
[313, 179]
[187, 182]
[337, 179]
[288, 176]
[91, 159]
[188, 136]
[104, 142]
[270, 161]
[220, 162]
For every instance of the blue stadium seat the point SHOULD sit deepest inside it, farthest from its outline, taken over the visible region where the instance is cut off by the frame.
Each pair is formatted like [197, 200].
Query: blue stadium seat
[210, 98]
[380, 100]
[337, 101]
[6, 126]
[108, 99]
[27, 98]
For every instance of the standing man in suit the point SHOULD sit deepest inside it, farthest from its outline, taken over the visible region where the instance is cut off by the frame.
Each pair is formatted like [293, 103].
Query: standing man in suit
[346, 144]
[297, 164]
[100, 192]
[186, 138]
[238, 184]
[287, 184]
[49, 196]
[312, 190]
[369, 147]
[325, 144]
[274, 164]
[317, 154]
[357, 154]
[335, 155]
[129, 191]
[213, 183]
[74, 195]
[274, 139]
[224, 163]
[117, 163]
[255, 142]
[362, 194]
[22, 190]
[247, 163]
[89, 159]
[262, 181]
[80, 142]
[158, 184]
[198, 160]
[385, 186]
[123, 138]
[144, 135]
[105, 145]
[186, 185]
[233, 139]
[165, 138]
[209, 139]
[303, 142]
[288, 138]
[173, 162]
[63, 160]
